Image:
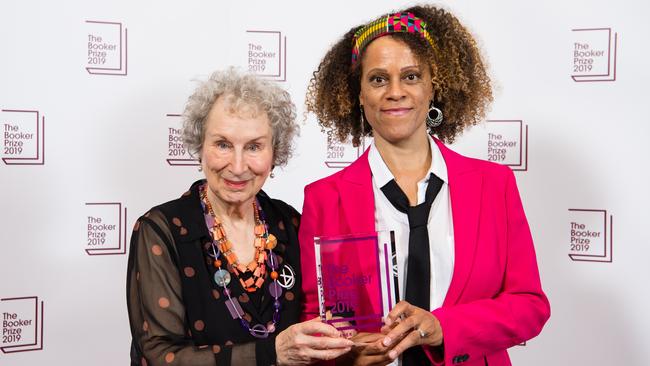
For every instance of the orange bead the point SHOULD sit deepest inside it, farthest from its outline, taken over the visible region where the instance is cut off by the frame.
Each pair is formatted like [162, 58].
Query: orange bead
[259, 282]
[274, 275]
[252, 266]
[259, 242]
[259, 229]
[217, 263]
[271, 242]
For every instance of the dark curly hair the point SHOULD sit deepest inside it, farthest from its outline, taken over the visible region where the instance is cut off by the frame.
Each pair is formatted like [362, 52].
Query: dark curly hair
[461, 86]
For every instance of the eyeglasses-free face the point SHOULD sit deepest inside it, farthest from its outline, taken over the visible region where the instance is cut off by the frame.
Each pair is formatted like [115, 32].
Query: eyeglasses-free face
[237, 153]
[395, 90]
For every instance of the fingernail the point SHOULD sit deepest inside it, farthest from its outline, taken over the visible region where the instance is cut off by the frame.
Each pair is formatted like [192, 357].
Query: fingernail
[392, 355]
[386, 341]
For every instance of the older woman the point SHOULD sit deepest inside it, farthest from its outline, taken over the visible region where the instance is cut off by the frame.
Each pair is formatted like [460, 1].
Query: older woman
[471, 284]
[214, 276]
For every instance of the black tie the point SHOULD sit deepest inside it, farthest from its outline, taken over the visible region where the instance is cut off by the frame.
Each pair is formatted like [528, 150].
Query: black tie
[418, 275]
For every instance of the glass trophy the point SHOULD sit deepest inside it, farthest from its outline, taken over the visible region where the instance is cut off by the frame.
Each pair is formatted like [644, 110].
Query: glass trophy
[357, 279]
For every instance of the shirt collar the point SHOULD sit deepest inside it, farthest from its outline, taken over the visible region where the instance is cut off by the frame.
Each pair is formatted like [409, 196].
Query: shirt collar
[382, 175]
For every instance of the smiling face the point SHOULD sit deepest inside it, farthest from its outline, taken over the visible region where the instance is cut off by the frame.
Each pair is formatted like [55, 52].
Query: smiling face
[395, 90]
[237, 153]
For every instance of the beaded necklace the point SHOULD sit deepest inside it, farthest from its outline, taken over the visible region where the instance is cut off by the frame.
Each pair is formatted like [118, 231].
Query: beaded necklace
[250, 276]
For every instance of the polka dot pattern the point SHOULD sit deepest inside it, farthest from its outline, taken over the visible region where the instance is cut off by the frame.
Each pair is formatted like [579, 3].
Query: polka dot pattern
[169, 357]
[158, 300]
[156, 249]
[244, 298]
[189, 272]
[163, 302]
[199, 325]
[289, 296]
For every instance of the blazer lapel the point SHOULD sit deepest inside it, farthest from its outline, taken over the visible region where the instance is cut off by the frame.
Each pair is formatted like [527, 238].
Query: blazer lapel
[357, 200]
[465, 183]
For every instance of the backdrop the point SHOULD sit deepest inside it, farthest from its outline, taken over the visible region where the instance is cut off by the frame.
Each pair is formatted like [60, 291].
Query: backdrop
[90, 93]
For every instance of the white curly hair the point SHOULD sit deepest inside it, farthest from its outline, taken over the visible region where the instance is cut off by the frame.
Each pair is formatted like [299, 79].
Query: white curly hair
[244, 91]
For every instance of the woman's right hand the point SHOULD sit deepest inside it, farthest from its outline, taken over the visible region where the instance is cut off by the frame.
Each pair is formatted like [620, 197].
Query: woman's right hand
[308, 342]
[368, 350]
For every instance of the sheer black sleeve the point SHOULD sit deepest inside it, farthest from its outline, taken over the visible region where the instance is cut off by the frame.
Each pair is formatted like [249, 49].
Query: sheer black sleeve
[157, 315]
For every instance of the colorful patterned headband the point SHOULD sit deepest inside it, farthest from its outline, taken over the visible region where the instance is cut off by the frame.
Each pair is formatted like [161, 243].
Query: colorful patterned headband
[395, 23]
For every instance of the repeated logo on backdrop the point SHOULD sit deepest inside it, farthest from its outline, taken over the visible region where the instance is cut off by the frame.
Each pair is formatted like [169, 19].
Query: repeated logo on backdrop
[266, 54]
[107, 48]
[23, 137]
[177, 154]
[339, 155]
[22, 324]
[594, 54]
[105, 228]
[590, 235]
[507, 143]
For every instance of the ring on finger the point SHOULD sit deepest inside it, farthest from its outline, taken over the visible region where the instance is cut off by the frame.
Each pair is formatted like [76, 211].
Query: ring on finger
[423, 334]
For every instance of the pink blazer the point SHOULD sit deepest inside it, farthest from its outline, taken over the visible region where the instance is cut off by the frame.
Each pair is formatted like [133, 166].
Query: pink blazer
[495, 299]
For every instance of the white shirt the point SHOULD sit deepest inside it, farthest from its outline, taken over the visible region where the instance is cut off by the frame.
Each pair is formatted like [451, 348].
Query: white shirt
[440, 224]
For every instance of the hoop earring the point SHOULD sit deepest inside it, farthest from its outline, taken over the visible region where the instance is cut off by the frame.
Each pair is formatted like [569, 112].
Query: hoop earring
[363, 122]
[272, 175]
[434, 118]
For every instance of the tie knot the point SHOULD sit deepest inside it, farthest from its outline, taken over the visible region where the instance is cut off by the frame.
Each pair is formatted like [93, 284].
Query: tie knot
[418, 215]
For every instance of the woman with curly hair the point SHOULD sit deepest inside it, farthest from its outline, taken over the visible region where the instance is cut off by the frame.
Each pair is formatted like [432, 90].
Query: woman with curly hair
[203, 283]
[415, 80]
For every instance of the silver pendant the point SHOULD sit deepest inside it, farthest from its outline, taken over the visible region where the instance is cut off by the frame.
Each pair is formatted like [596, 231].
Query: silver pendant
[287, 277]
[222, 277]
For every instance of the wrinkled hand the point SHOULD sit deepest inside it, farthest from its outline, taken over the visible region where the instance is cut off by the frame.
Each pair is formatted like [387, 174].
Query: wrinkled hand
[307, 342]
[408, 326]
[368, 350]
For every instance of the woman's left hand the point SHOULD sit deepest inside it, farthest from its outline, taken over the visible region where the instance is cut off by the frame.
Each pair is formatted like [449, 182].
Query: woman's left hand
[408, 326]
